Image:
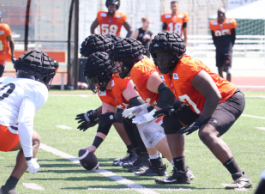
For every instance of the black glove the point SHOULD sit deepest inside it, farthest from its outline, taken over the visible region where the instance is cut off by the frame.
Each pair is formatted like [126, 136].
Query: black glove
[13, 59]
[164, 111]
[192, 127]
[87, 120]
[107, 119]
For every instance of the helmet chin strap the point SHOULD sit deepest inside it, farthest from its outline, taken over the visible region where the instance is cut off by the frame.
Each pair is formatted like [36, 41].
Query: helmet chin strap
[23, 74]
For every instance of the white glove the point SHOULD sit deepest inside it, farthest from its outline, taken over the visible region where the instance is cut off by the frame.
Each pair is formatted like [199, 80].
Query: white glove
[129, 113]
[145, 118]
[33, 166]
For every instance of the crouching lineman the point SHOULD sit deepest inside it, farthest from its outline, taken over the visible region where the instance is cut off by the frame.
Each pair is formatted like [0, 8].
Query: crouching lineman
[213, 105]
[115, 94]
[90, 45]
[20, 98]
[130, 62]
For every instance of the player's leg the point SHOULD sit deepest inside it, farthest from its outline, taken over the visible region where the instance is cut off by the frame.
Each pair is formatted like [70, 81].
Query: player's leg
[172, 123]
[261, 187]
[219, 123]
[122, 133]
[219, 63]
[227, 65]
[21, 165]
[2, 67]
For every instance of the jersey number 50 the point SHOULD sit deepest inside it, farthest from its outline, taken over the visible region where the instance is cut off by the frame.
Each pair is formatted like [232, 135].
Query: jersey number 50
[109, 29]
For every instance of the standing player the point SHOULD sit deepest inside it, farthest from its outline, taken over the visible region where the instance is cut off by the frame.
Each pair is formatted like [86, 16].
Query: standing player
[213, 106]
[20, 98]
[6, 43]
[224, 36]
[111, 22]
[175, 22]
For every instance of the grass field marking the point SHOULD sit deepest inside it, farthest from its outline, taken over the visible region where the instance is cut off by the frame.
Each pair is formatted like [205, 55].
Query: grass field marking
[33, 186]
[261, 128]
[103, 172]
[254, 96]
[128, 189]
[252, 116]
[79, 95]
[63, 127]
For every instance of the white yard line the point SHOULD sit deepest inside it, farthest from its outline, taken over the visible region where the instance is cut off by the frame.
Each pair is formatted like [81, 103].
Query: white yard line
[103, 172]
[128, 189]
[33, 186]
[261, 128]
[63, 127]
[252, 116]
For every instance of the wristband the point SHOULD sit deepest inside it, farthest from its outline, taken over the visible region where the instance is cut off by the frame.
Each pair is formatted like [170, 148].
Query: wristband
[97, 141]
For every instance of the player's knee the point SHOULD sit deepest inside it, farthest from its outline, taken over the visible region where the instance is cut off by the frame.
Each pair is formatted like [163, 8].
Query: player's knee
[171, 124]
[153, 137]
[206, 136]
[36, 139]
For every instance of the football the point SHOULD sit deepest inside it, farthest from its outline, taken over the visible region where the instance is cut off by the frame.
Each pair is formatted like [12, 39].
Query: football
[88, 160]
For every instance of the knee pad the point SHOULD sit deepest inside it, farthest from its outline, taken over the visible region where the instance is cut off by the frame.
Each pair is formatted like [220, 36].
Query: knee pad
[171, 124]
[154, 138]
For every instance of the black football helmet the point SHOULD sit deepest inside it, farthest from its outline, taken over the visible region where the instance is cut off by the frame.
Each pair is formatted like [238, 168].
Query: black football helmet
[167, 42]
[128, 51]
[36, 65]
[114, 38]
[113, 2]
[97, 69]
[95, 43]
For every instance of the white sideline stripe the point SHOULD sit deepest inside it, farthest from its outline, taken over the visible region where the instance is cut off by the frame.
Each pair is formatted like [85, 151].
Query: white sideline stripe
[252, 116]
[254, 96]
[252, 87]
[33, 186]
[63, 127]
[103, 172]
[128, 189]
[261, 128]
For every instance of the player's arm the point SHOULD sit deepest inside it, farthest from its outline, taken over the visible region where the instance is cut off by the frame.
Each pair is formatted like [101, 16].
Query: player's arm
[152, 37]
[135, 34]
[214, 38]
[103, 127]
[164, 26]
[185, 32]
[12, 47]
[94, 25]
[204, 84]
[233, 36]
[129, 29]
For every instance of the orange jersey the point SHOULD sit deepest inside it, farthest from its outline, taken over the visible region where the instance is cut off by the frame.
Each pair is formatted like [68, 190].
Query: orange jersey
[175, 22]
[182, 75]
[224, 28]
[114, 96]
[110, 25]
[4, 45]
[140, 74]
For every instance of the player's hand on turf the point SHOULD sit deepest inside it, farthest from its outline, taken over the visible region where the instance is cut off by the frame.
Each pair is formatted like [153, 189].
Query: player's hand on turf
[91, 149]
[106, 119]
[33, 166]
[144, 118]
[131, 112]
[165, 111]
[87, 120]
[192, 127]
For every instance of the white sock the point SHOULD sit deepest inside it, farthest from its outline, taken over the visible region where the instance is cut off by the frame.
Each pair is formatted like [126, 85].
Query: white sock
[172, 163]
[155, 156]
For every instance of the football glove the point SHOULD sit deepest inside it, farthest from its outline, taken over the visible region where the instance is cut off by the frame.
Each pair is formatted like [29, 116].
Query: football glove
[131, 112]
[192, 127]
[33, 166]
[165, 111]
[87, 120]
[145, 118]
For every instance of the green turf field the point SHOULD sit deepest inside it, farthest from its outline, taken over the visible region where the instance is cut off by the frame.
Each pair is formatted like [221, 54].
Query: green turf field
[58, 175]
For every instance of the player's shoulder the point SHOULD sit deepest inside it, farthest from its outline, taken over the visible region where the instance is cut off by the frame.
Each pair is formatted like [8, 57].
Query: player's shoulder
[102, 13]
[183, 15]
[120, 15]
[166, 15]
[213, 22]
[231, 21]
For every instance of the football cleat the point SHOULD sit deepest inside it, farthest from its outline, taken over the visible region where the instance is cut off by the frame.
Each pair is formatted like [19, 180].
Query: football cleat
[177, 177]
[4, 190]
[127, 159]
[144, 163]
[239, 181]
[153, 171]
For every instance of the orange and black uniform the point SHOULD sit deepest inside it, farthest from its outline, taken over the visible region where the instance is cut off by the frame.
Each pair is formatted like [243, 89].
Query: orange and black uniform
[174, 23]
[224, 36]
[229, 108]
[5, 52]
[110, 24]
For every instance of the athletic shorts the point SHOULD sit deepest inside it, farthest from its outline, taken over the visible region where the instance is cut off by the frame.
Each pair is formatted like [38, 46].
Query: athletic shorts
[223, 59]
[3, 62]
[8, 140]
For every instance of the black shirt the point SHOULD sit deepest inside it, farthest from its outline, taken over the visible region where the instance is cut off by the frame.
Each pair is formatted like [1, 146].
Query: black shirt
[144, 41]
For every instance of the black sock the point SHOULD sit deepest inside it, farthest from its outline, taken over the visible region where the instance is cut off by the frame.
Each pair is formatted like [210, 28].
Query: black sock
[158, 162]
[179, 163]
[1, 70]
[130, 147]
[11, 182]
[232, 166]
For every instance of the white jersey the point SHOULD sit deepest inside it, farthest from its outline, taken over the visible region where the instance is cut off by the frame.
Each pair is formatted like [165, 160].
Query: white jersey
[12, 92]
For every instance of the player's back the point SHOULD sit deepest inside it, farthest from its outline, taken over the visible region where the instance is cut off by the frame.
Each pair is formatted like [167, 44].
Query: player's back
[12, 92]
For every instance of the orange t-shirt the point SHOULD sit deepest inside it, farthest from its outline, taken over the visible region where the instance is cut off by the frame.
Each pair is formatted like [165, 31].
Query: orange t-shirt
[140, 74]
[224, 28]
[114, 96]
[185, 70]
[175, 22]
[110, 25]
[4, 45]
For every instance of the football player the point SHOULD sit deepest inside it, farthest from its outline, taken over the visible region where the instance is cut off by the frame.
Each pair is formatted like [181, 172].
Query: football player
[6, 44]
[224, 36]
[175, 21]
[130, 62]
[111, 22]
[261, 187]
[210, 105]
[20, 98]
[90, 45]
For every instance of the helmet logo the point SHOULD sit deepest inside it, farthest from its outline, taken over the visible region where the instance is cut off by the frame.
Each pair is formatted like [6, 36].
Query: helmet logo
[175, 76]
[156, 45]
